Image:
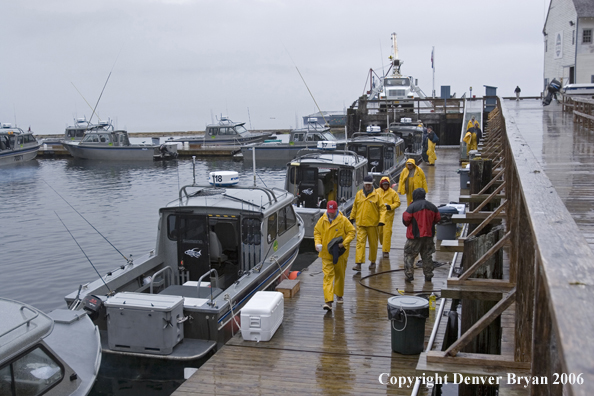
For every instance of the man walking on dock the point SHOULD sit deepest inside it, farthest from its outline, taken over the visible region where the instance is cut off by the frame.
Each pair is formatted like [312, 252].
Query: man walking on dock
[432, 140]
[419, 218]
[411, 178]
[391, 201]
[517, 91]
[333, 234]
[369, 212]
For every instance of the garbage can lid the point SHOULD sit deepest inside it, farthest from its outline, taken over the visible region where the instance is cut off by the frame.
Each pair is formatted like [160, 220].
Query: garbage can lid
[408, 302]
[447, 210]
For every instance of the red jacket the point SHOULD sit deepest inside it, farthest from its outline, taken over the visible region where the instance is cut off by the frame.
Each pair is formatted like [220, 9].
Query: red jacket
[420, 217]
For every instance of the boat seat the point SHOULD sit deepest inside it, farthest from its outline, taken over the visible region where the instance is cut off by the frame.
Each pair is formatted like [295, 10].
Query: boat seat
[216, 249]
[227, 237]
[191, 291]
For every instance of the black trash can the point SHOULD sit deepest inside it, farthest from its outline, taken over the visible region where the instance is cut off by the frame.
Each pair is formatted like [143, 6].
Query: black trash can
[446, 229]
[407, 316]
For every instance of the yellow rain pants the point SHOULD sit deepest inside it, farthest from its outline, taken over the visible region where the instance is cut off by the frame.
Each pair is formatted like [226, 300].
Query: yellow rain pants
[365, 233]
[431, 152]
[334, 277]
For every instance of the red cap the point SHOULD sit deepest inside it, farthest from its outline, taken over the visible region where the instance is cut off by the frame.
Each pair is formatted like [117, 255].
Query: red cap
[331, 207]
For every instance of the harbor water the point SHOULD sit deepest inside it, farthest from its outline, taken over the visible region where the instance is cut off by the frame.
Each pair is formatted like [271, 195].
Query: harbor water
[41, 230]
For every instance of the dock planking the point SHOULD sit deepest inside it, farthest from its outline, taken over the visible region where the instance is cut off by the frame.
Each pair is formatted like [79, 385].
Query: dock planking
[343, 352]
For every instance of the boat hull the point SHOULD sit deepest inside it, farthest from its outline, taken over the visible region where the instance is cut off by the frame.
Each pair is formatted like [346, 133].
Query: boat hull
[8, 157]
[280, 152]
[203, 141]
[112, 153]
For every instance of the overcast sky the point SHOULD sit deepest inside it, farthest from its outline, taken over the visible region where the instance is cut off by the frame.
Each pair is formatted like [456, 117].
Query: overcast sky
[177, 64]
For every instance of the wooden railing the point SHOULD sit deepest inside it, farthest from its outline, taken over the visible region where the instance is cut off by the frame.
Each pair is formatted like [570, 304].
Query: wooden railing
[581, 108]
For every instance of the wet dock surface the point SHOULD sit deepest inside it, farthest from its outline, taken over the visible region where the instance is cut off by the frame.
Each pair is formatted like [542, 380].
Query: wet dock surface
[343, 352]
[566, 152]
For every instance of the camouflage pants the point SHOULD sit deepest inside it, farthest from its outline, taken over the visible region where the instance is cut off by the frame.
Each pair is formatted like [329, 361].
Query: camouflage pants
[426, 247]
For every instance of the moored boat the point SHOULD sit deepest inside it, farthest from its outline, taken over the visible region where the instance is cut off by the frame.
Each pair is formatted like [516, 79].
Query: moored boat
[298, 139]
[384, 152]
[319, 176]
[109, 145]
[46, 354]
[225, 133]
[412, 134]
[16, 145]
[216, 247]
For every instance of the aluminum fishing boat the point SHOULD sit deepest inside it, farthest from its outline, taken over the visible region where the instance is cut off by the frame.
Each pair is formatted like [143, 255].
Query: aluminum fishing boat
[16, 145]
[107, 145]
[298, 139]
[319, 176]
[47, 354]
[225, 133]
[412, 134]
[216, 247]
[384, 152]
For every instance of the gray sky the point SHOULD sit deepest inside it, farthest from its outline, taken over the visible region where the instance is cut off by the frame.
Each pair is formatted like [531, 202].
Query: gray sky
[178, 63]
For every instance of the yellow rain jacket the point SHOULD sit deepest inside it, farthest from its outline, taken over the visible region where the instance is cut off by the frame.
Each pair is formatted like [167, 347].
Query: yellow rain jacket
[431, 152]
[417, 181]
[391, 198]
[471, 142]
[471, 124]
[324, 232]
[368, 210]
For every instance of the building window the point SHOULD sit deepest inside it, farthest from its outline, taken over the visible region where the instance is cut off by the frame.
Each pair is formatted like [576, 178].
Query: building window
[587, 36]
[592, 79]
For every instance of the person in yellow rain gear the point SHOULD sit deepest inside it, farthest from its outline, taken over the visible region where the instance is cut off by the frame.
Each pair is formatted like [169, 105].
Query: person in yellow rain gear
[333, 234]
[472, 124]
[432, 140]
[471, 140]
[411, 178]
[391, 201]
[368, 212]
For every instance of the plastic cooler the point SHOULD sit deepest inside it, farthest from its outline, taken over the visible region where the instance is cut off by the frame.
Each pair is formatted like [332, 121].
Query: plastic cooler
[407, 316]
[446, 229]
[262, 316]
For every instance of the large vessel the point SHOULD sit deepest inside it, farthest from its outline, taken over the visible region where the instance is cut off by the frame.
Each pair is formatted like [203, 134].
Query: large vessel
[110, 145]
[298, 139]
[216, 247]
[384, 152]
[16, 145]
[47, 354]
[395, 89]
[319, 176]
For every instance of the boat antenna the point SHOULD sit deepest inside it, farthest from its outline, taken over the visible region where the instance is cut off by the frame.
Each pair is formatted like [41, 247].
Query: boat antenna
[81, 249]
[104, 85]
[126, 258]
[308, 90]
[88, 104]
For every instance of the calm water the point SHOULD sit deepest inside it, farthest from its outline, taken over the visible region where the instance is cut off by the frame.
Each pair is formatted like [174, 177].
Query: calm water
[41, 263]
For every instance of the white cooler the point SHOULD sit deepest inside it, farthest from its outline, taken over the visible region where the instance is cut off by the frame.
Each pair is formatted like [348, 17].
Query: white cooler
[262, 315]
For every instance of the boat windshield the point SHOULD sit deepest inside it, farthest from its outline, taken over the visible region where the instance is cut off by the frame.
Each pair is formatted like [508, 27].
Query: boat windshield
[97, 138]
[397, 82]
[328, 136]
[240, 129]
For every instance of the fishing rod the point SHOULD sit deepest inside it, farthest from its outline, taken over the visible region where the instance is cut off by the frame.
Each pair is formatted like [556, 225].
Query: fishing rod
[81, 249]
[308, 90]
[128, 260]
[104, 85]
[88, 104]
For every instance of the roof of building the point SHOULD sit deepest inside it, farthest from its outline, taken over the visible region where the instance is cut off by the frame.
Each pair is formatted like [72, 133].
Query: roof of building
[584, 8]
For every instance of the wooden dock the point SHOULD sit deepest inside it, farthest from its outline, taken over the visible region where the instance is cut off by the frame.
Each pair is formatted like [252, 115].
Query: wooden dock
[343, 352]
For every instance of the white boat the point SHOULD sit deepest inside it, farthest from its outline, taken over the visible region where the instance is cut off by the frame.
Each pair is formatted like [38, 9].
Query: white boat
[384, 152]
[578, 89]
[216, 247]
[16, 145]
[299, 139]
[319, 176]
[47, 354]
[108, 145]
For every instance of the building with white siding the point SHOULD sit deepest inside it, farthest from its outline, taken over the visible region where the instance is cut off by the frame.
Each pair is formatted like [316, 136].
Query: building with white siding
[569, 42]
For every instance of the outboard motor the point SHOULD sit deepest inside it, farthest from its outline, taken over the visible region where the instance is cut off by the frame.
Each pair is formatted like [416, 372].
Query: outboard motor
[93, 306]
[552, 89]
